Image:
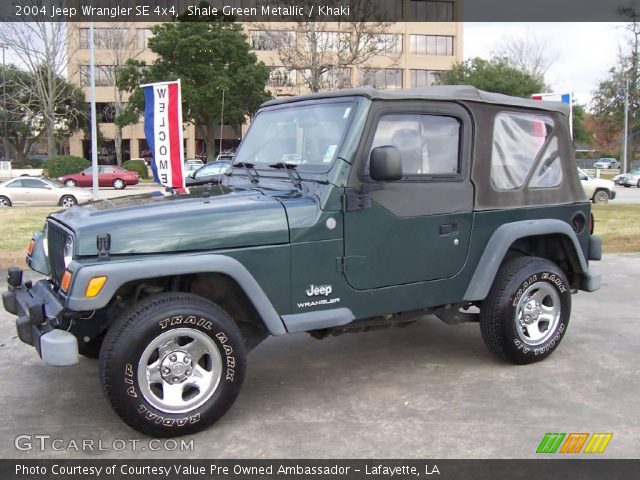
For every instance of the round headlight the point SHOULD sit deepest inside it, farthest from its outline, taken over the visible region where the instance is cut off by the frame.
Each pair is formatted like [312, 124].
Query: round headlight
[45, 239]
[68, 251]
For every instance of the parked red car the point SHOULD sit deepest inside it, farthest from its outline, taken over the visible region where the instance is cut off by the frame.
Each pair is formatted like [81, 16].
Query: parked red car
[108, 176]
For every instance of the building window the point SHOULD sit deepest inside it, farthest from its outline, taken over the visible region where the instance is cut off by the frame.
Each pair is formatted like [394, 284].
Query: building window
[330, 41]
[388, 43]
[390, 10]
[142, 38]
[381, 78]
[105, 75]
[270, 40]
[431, 45]
[105, 38]
[282, 77]
[424, 78]
[431, 11]
[338, 77]
[106, 112]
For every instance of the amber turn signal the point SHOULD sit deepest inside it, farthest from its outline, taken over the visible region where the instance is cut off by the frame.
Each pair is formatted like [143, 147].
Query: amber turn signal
[95, 286]
[66, 281]
[32, 244]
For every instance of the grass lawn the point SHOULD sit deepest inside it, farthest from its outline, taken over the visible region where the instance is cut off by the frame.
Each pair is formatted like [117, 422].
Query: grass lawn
[618, 225]
[17, 225]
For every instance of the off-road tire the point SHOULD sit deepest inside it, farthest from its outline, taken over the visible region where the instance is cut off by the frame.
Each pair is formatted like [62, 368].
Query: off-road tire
[134, 333]
[502, 331]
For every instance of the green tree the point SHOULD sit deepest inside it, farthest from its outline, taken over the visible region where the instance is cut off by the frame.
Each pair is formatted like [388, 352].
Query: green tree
[580, 132]
[607, 106]
[21, 114]
[208, 56]
[609, 98]
[495, 75]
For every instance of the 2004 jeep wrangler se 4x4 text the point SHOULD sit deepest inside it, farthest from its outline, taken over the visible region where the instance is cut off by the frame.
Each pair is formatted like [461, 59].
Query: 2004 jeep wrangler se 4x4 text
[344, 211]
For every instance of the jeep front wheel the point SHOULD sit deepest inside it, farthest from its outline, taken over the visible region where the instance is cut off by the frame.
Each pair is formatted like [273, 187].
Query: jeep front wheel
[526, 313]
[172, 365]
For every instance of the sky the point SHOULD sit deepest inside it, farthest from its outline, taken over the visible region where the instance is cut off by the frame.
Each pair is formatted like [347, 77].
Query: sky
[585, 51]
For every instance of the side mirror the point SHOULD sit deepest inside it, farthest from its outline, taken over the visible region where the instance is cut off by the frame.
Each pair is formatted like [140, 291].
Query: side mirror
[83, 174]
[385, 164]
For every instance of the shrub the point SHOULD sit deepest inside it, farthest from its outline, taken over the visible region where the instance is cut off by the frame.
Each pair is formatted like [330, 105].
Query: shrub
[136, 166]
[64, 165]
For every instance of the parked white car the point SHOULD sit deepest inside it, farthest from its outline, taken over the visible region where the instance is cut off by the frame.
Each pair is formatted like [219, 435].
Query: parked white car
[191, 165]
[598, 190]
[629, 179]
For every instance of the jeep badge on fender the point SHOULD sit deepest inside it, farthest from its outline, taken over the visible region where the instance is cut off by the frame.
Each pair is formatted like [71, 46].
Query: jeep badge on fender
[343, 210]
[319, 290]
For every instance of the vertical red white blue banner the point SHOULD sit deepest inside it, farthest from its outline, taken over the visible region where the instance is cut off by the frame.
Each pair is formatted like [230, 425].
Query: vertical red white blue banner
[558, 97]
[163, 129]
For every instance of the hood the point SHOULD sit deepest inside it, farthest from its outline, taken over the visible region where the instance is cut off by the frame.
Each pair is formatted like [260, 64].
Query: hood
[205, 219]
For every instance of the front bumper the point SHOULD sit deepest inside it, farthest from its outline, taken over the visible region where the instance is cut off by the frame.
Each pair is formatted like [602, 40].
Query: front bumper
[612, 194]
[39, 313]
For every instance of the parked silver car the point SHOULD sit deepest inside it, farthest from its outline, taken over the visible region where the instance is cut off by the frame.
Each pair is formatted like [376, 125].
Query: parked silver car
[629, 179]
[607, 163]
[40, 191]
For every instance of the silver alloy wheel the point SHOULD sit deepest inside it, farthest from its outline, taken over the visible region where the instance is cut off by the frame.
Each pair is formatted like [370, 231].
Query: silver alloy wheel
[68, 201]
[537, 313]
[601, 197]
[179, 370]
[118, 184]
[70, 183]
[4, 202]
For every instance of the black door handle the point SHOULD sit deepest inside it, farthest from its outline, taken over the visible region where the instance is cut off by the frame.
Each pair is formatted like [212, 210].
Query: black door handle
[448, 228]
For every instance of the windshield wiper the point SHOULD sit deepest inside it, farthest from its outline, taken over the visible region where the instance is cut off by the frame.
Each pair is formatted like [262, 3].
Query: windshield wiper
[247, 168]
[297, 182]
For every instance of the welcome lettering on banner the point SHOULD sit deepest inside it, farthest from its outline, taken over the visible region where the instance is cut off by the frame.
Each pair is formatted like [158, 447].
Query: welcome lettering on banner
[163, 130]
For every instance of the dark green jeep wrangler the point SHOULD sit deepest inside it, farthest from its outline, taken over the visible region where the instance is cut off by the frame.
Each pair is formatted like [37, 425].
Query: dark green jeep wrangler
[344, 211]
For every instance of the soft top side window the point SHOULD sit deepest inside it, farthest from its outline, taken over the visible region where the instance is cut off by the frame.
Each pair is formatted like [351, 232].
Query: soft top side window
[429, 144]
[518, 141]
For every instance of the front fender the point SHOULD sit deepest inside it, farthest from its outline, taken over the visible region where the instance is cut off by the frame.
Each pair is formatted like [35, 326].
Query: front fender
[38, 261]
[121, 272]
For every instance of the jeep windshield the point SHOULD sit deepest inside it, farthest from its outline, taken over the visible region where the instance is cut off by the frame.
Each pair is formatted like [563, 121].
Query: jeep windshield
[306, 136]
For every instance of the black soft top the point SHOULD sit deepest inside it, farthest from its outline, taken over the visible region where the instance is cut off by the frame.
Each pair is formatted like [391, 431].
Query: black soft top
[464, 93]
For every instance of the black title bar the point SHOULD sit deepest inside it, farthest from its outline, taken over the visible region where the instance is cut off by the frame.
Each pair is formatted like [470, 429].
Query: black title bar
[323, 10]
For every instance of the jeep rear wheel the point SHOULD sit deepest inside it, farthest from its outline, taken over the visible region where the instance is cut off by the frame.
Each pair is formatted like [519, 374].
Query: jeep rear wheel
[172, 365]
[526, 313]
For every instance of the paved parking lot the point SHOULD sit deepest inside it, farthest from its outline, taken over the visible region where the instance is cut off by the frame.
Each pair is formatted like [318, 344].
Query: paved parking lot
[626, 195]
[427, 390]
[131, 190]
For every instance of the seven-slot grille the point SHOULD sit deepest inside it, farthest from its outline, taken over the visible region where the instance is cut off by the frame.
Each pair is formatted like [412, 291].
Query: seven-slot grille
[57, 239]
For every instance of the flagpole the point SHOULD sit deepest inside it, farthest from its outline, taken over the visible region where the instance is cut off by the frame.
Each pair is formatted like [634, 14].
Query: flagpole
[94, 126]
[571, 115]
[625, 148]
[221, 122]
